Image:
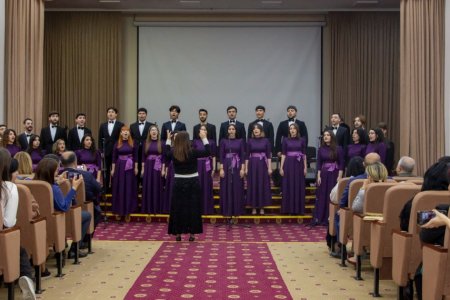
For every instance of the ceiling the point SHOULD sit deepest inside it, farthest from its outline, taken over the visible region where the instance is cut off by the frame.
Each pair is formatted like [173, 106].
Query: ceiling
[223, 5]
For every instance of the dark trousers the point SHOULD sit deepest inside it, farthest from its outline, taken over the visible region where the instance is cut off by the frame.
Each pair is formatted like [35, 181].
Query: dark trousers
[25, 265]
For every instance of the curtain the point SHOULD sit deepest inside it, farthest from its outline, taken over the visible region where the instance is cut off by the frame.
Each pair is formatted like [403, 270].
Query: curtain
[422, 81]
[365, 53]
[24, 61]
[82, 65]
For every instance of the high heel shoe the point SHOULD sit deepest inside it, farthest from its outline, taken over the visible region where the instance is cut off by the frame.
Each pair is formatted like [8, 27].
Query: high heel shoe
[191, 238]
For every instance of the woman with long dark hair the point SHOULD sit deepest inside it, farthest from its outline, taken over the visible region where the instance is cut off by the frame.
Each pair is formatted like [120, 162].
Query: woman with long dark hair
[35, 150]
[376, 143]
[206, 169]
[330, 166]
[10, 142]
[123, 171]
[90, 157]
[293, 170]
[152, 173]
[186, 204]
[358, 145]
[232, 169]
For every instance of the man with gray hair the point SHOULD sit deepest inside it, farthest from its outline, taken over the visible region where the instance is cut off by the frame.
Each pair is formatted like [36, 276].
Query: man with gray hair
[405, 166]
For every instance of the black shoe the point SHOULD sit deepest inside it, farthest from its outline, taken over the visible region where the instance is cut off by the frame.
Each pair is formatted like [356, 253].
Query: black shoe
[45, 273]
[178, 238]
[191, 238]
[336, 254]
[71, 254]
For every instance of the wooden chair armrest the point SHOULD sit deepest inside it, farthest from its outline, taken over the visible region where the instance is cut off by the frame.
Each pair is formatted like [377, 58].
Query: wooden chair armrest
[88, 201]
[359, 215]
[37, 220]
[402, 233]
[436, 248]
[8, 230]
[75, 206]
[381, 223]
[55, 213]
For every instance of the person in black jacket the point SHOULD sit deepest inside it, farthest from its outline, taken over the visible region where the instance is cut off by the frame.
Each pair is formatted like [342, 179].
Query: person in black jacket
[340, 132]
[283, 128]
[139, 133]
[53, 132]
[203, 116]
[173, 125]
[240, 127]
[266, 125]
[108, 134]
[76, 133]
[24, 137]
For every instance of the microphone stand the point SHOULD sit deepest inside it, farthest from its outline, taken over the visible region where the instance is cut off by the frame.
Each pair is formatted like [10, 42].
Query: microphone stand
[314, 222]
[105, 185]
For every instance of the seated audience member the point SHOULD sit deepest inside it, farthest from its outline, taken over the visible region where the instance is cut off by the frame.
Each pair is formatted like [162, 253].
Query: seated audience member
[9, 203]
[376, 172]
[435, 179]
[433, 232]
[405, 167]
[47, 170]
[92, 187]
[25, 164]
[355, 167]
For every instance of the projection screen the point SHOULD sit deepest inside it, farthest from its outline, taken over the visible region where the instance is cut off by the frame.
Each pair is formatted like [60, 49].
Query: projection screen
[213, 67]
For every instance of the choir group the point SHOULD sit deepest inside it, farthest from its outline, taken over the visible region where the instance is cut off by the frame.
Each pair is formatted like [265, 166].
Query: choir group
[136, 155]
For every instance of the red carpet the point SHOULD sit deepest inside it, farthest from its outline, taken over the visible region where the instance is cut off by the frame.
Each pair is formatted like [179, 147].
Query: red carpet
[271, 232]
[183, 270]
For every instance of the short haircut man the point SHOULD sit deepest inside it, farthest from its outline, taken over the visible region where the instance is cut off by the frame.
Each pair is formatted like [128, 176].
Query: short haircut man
[142, 109]
[405, 166]
[176, 108]
[112, 108]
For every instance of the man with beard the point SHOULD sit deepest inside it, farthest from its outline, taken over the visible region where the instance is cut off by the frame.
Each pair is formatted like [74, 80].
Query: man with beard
[24, 138]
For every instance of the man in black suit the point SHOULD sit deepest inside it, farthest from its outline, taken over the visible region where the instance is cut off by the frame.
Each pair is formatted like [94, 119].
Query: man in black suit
[76, 133]
[267, 126]
[109, 134]
[203, 116]
[24, 138]
[240, 127]
[139, 133]
[340, 132]
[173, 124]
[283, 128]
[52, 133]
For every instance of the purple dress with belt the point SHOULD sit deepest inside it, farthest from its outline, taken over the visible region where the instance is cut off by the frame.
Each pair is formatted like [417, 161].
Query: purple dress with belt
[204, 166]
[152, 182]
[259, 154]
[354, 150]
[124, 182]
[329, 171]
[36, 156]
[231, 154]
[293, 182]
[92, 161]
[13, 149]
[379, 148]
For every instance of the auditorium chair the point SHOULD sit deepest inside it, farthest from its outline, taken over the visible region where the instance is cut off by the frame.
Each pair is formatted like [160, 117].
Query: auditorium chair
[408, 251]
[381, 231]
[346, 218]
[56, 220]
[333, 208]
[9, 255]
[73, 220]
[373, 203]
[33, 235]
[408, 178]
[436, 270]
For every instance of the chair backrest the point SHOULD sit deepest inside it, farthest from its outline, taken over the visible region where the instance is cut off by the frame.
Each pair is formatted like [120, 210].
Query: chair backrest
[355, 185]
[374, 196]
[425, 201]
[341, 187]
[406, 178]
[25, 210]
[394, 200]
[43, 193]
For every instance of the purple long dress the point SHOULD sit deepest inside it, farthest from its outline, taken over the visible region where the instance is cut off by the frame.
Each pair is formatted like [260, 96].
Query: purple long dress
[379, 148]
[354, 150]
[205, 167]
[293, 182]
[13, 149]
[329, 171]
[167, 185]
[92, 161]
[258, 180]
[152, 182]
[36, 156]
[231, 154]
[124, 182]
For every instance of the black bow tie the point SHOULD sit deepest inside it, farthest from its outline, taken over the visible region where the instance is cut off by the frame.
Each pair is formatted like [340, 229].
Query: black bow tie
[174, 121]
[28, 135]
[335, 128]
[80, 128]
[291, 120]
[232, 121]
[141, 123]
[112, 122]
[54, 126]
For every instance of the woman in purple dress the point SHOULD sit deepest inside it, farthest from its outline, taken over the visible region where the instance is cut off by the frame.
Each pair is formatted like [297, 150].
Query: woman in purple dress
[293, 170]
[206, 168]
[35, 150]
[358, 147]
[10, 142]
[376, 143]
[330, 166]
[258, 170]
[232, 169]
[153, 170]
[59, 147]
[123, 171]
[89, 157]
